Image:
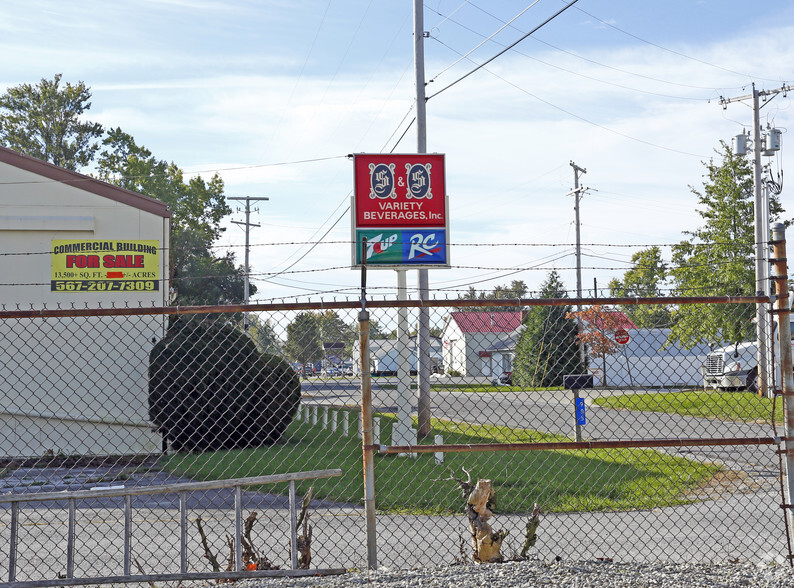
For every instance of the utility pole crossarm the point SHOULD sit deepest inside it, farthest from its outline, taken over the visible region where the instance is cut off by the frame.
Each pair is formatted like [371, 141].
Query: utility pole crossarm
[760, 93]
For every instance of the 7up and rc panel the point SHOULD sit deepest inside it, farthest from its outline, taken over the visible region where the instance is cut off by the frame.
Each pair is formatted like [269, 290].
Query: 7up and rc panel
[400, 210]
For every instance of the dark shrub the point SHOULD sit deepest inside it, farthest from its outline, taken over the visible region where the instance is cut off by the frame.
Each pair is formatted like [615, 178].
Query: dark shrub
[210, 388]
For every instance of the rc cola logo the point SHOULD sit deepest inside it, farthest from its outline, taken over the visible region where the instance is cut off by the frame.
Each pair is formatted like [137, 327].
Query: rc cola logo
[381, 181]
[423, 245]
[418, 179]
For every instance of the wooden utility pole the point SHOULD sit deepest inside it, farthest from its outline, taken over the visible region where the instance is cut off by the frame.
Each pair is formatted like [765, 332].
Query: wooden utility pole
[247, 224]
[577, 194]
[761, 214]
[423, 334]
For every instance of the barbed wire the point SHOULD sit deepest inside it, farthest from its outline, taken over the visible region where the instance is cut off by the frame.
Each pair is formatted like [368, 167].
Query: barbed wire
[348, 242]
[264, 275]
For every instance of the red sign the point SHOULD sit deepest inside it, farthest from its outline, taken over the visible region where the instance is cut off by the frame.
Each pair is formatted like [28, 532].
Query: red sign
[622, 336]
[404, 190]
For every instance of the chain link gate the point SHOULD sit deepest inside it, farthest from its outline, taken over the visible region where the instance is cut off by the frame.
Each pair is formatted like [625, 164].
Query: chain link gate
[665, 470]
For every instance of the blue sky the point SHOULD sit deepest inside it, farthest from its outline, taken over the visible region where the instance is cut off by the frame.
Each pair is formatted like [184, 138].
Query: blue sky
[628, 90]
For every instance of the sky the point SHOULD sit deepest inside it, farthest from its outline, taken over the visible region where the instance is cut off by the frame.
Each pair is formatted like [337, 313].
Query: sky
[274, 94]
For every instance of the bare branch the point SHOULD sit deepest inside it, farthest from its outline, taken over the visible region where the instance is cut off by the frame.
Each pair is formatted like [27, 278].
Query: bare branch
[216, 567]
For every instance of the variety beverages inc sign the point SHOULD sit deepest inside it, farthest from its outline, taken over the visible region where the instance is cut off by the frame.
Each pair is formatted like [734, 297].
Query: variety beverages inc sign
[400, 210]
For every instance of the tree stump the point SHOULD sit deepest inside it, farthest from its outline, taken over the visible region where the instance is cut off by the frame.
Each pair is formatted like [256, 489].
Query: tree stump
[486, 543]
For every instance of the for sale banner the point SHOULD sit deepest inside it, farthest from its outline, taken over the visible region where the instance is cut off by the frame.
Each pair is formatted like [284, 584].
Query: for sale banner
[402, 247]
[105, 266]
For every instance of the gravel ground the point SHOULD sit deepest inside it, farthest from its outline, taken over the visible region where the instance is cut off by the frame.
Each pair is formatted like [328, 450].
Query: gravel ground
[562, 573]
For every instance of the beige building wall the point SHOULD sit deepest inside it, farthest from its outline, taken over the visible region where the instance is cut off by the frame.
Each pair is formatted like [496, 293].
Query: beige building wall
[73, 385]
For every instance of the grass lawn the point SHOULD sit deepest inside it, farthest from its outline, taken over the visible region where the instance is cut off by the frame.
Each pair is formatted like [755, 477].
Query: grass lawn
[739, 406]
[560, 481]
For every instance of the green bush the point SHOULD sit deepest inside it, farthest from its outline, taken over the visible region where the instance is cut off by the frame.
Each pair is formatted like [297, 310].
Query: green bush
[210, 388]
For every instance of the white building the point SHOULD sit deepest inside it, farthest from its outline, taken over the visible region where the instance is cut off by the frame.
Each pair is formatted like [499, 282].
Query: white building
[470, 340]
[384, 355]
[77, 384]
[649, 360]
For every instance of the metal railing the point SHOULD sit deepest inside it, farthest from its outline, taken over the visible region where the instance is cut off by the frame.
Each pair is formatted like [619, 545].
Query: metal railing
[181, 490]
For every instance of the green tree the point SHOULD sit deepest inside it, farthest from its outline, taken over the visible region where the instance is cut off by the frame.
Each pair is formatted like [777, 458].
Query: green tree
[516, 289]
[45, 122]
[375, 330]
[333, 330]
[263, 334]
[644, 279]
[303, 338]
[547, 348]
[717, 259]
[197, 208]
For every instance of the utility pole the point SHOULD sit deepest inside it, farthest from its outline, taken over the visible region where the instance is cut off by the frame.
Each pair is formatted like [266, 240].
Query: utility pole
[761, 215]
[423, 332]
[577, 194]
[247, 224]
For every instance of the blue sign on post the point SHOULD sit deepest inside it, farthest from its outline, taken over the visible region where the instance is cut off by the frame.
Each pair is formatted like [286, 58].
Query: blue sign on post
[580, 416]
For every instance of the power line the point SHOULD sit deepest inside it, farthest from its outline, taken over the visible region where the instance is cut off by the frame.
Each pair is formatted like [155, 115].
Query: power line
[506, 49]
[485, 40]
[652, 44]
[555, 47]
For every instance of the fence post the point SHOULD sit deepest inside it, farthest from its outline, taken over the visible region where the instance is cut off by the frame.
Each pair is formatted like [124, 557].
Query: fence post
[366, 418]
[786, 374]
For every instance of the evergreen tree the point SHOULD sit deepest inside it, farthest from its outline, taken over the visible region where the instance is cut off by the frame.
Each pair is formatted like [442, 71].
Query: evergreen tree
[547, 348]
[718, 259]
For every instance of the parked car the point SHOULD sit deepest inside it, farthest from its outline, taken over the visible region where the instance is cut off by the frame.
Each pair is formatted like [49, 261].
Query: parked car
[506, 378]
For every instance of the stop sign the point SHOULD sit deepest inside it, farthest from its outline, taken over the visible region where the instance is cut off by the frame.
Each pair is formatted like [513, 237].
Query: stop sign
[622, 336]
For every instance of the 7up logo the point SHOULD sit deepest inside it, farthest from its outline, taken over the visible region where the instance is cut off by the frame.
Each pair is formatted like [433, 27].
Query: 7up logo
[381, 248]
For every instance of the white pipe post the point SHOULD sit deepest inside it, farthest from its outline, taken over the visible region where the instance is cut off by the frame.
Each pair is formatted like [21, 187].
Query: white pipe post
[403, 432]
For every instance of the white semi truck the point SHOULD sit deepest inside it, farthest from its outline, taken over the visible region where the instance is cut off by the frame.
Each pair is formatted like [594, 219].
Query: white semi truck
[736, 366]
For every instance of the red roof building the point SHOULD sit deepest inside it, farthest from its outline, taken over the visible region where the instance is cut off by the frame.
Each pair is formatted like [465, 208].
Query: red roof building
[469, 340]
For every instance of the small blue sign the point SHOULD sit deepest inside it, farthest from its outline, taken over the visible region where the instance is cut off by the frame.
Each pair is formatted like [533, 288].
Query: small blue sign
[580, 417]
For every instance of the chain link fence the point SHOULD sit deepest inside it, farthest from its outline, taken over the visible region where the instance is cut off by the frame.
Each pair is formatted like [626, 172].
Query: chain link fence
[661, 447]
